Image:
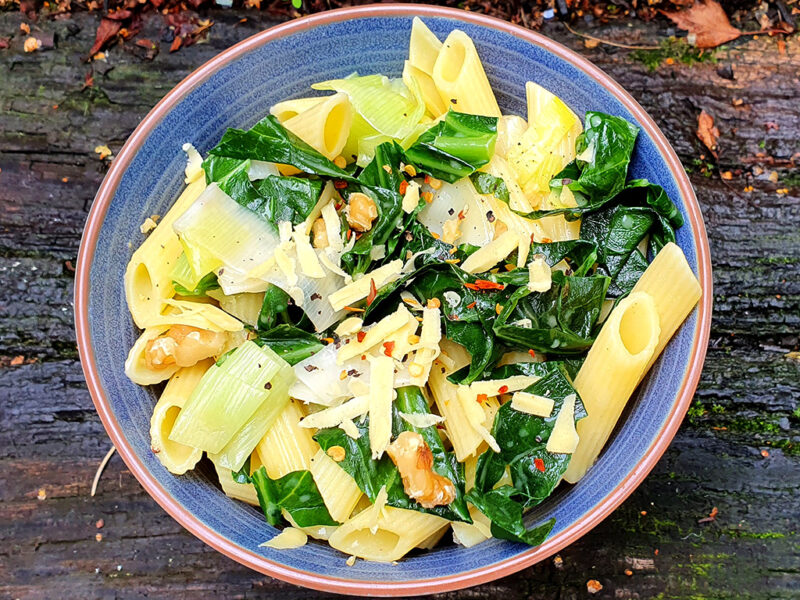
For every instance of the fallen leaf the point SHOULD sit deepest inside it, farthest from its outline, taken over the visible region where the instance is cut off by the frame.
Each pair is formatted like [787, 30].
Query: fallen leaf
[17, 361]
[145, 43]
[712, 516]
[106, 31]
[707, 132]
[707, 22]
[176, 44]
[25, 28]
[4, 43]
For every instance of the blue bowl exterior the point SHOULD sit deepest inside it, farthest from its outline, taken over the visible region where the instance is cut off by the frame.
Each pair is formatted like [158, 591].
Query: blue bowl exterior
[238, 96]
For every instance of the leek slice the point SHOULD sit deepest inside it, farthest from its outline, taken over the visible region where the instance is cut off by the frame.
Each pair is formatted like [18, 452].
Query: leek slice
[227, 397]
[380, 104]
[217, 232]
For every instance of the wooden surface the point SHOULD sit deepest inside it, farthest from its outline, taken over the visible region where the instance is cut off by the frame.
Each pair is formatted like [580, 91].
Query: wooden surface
[739, 449]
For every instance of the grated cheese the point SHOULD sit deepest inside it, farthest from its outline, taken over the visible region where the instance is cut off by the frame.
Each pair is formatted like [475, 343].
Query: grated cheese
[421, 420]
[429, 346]
[380, 404]
[333, 227]
[411, 197]
[358, 290]
[194, 164]
[286, 540]
[532, 404]
[376, 334]
[491, 387]
[334, 416]
[492, 253]
[349, 326]
[540, 276]
[564, 438]
[309, 263]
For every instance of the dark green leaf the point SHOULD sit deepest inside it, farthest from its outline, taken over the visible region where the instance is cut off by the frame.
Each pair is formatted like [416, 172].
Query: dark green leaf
[489, 184]
[455, 147]
[209, 282]
[523, 438]
[286, 198]
[290, 343]
[296, 493]
[274, 309]
[269, 141]
[561, 320]
[506, 516]
[243, 474]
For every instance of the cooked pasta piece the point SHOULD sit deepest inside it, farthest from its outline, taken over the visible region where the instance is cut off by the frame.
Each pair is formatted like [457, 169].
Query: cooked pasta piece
[470, 534]
[674, 288]
[610, 373]
[148, 277]
[291, 108]
[413, 76]
[338, 489]
[424, 47]
[459, 75]
[388, 537]
[324, 126]
[286, 446]
[177, 458]
[136, 364]
[240, 491]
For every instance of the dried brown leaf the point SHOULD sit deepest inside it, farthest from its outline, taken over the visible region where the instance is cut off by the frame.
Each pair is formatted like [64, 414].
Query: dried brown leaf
[106, 31]
[176, 44]
[707, 22]
[707, 132]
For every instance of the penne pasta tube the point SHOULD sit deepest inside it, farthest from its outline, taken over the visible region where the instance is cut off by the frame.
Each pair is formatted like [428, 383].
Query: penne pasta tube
[338, 489]
[612, 370]
[388, 537]
[675, 290]
[291, 108]
[148, 277]
[287, 447]
[459, 75]
[324, 126]
[135, 365]
[177, 458]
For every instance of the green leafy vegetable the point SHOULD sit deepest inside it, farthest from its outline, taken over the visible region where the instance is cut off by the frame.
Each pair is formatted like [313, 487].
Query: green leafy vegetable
[243, 474]
[604, 151]
[522, 438]
[485, 183]
[371, 475]
[455, 147]
[296, 493]
[270, 141]
[506, 516]
[290, 343]
[208, 282]
[558, 321]
[274, 309]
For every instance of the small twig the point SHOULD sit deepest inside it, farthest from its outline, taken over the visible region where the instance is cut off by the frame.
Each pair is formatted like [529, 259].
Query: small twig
[609, 42]
[100, 469]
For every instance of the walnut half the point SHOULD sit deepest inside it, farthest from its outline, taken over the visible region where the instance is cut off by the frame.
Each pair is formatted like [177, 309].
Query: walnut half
[414, 460]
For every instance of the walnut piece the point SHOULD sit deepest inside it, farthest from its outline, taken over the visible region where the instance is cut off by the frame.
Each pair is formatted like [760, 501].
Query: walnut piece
[183, 346]
[361, 211]
[414, 460]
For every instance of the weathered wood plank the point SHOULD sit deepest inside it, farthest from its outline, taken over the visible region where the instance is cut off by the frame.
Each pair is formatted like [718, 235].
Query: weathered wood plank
[747, 401]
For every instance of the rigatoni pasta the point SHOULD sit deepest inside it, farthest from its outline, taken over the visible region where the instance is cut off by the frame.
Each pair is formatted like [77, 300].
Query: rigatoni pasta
[391, 312]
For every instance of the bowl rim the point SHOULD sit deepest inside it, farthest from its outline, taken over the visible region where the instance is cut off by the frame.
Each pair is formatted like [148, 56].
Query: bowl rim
[316, 581]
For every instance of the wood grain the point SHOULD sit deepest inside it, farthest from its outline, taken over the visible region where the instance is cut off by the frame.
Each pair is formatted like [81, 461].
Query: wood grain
[739, 449]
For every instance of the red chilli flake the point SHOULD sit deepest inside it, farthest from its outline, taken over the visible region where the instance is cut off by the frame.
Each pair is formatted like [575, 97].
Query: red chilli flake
[482, 398]
[428, 179]
[471, 305]
[360, 336]
[485, 284]
[503, 389]
[373, 292]
[349, 233]
[388, 348]
[339, 185]
[532, 353]
[403, 187]
[539, 464]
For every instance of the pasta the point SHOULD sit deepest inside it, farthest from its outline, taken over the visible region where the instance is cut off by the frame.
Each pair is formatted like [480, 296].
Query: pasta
[369, 305]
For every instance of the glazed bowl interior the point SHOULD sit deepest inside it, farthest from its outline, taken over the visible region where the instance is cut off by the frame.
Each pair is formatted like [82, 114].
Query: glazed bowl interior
[236, 90]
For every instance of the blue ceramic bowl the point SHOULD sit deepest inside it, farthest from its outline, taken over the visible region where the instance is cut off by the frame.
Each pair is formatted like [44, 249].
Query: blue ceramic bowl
[236, 89]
